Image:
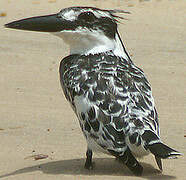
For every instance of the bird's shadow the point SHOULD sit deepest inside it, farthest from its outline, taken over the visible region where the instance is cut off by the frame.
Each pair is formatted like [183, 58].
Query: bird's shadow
[104, 166]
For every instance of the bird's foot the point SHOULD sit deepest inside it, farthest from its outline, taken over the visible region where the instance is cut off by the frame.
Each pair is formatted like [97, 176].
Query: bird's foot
[89, 165]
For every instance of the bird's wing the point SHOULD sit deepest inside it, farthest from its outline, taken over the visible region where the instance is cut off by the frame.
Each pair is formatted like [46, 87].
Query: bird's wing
[110, 92]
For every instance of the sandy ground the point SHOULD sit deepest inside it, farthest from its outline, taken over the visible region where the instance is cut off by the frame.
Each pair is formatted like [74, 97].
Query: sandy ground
[35, 117]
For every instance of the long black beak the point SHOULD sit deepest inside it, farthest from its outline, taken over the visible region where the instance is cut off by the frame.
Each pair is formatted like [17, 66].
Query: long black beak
[49, 23]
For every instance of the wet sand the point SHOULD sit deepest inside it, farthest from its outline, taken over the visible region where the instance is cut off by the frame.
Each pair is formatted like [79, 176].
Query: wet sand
[36, 119]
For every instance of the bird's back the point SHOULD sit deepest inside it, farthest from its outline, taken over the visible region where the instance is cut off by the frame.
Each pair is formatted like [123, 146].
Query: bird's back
[112, 99]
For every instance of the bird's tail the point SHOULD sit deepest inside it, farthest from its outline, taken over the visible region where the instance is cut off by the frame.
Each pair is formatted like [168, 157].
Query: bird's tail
[156, 147]
[162, 151]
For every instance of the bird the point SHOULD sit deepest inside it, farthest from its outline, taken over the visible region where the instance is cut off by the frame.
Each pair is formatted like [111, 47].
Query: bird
[109, 94]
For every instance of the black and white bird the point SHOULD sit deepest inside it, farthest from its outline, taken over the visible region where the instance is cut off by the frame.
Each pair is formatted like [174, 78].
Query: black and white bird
[109, 94]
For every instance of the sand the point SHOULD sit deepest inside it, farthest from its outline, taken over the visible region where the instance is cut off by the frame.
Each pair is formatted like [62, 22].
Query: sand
[36, 119]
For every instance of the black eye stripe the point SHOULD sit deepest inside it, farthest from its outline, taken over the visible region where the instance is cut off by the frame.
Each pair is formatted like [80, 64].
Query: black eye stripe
[88, 16]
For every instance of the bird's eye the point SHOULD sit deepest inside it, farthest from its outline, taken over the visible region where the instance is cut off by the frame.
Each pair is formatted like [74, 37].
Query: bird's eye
[87, 16]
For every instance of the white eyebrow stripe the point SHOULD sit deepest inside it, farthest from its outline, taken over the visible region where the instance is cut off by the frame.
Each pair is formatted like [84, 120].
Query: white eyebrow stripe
[70, 15]
[101, 14]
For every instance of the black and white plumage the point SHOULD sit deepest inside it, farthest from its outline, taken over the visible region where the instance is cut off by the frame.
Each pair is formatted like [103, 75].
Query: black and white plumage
[109, 94]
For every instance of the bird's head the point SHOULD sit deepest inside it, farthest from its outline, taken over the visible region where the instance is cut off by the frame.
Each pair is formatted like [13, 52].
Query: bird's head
[85, 29]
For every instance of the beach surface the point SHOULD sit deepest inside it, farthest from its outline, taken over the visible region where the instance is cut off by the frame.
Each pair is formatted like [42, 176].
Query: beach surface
[40, 138]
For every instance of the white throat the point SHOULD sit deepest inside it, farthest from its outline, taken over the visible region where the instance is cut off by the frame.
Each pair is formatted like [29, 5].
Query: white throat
[91, 42]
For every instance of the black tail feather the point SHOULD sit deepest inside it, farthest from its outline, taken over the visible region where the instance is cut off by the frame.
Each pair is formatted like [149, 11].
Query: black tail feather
[131, 163]
[162, 151]
[159, 163]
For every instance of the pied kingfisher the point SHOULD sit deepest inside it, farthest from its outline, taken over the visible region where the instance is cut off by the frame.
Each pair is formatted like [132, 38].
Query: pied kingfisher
[109, 94]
